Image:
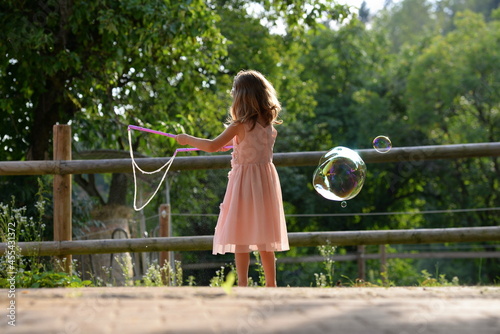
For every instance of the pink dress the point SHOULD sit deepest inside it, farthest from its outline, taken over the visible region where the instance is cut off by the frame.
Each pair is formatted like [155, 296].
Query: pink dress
[251, 216]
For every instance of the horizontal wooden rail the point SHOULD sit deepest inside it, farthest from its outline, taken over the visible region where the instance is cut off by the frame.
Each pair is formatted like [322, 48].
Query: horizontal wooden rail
[354, 257]
[377, 256]
[302, 239]
[412, 154]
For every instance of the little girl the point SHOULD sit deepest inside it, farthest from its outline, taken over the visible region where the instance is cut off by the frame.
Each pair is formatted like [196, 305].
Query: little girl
[251, 216]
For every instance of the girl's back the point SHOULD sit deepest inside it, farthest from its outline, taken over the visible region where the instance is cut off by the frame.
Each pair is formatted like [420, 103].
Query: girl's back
[257, 145]
[252, 216]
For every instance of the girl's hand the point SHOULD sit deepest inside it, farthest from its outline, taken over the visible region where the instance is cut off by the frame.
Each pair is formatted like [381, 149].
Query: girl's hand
[224, 149]
[181, 139]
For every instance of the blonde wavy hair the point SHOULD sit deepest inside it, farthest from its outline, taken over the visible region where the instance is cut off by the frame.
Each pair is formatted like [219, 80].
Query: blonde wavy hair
[253, 97]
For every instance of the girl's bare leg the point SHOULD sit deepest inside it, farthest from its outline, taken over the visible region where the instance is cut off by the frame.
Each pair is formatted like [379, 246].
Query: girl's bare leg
[269, 264]
[242, 262]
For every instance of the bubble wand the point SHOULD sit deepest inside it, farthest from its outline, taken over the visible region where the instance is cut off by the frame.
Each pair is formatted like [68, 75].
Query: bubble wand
[134, 127]
[166, 165]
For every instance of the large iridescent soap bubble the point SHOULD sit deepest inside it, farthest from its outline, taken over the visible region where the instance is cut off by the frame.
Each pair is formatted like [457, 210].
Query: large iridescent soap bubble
[340, 174]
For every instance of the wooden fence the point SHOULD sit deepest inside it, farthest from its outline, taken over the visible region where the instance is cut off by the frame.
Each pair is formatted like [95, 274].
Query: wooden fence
[62, 166]
[412, 154]
[298, 239]
[360, 256]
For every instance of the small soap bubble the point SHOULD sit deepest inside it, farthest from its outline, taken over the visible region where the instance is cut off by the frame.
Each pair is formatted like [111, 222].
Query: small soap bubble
[343, 204]
[382, 144]
[340, 174]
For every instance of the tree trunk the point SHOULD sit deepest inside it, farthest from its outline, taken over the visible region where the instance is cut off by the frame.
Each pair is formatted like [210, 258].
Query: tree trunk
[118, 189]
[52, 107]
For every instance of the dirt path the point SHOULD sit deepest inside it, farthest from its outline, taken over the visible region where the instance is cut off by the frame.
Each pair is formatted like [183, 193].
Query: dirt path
[196, 310]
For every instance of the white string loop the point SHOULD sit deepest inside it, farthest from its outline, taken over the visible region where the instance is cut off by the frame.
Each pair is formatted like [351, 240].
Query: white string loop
[136, 166]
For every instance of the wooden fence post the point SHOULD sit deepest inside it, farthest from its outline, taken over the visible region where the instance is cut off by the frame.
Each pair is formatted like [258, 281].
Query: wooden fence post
[143, 234]
[383, 264]
[62, 192]
[164, 214]
[361, 262]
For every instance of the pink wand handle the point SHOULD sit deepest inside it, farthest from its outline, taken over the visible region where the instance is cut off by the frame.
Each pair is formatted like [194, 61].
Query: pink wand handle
[134, 127]
[187, 149]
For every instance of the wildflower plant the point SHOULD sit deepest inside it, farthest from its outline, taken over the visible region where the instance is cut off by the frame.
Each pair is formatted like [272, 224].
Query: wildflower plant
[191, 280]
[28, 270]
[165, 275]
[152, 277]
[124, 262]
[429, 281]
[220, 277]
[15, 227]
[325, 279]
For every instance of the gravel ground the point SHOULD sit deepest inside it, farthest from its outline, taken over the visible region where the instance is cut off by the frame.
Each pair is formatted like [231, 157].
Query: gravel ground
[196, 310]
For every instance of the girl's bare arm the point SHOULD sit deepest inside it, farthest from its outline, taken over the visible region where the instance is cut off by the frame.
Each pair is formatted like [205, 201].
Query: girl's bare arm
[211, 145]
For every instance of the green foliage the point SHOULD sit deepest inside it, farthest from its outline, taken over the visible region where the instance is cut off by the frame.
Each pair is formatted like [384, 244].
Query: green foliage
[16, 227]
[28, 271]
[165, 275]
[220, 276]
[422, 73]
[98, 63]
[260, 269]
[39, 278]
[324, 280]
[400, 272]
[191, 281]
[428, 280]
[229, 283]
[407, 23]
[463, 68]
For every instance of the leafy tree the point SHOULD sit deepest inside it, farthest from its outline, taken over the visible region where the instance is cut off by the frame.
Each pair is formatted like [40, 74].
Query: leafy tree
[100, 65]
[406, 22]
[92, 61]
[451, 7]
[364, 12]
[462, 68]
[453, 95]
